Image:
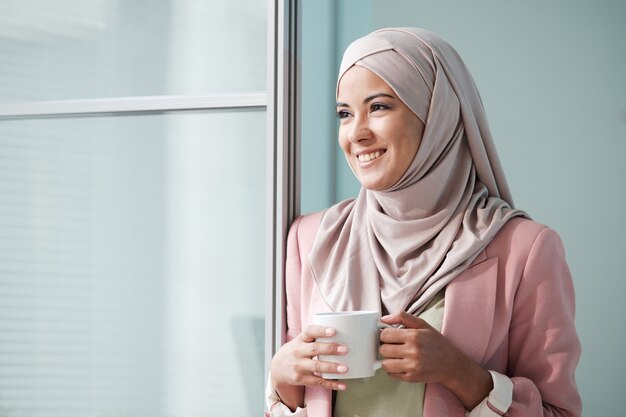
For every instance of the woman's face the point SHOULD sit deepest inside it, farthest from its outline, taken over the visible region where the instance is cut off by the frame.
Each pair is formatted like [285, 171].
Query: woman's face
[378, 133]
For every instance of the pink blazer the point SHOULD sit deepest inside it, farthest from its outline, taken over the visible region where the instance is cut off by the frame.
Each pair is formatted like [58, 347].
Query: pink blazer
[512, 311]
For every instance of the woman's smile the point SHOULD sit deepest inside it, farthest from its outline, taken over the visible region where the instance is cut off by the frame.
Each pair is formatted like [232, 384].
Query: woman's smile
[364, 158]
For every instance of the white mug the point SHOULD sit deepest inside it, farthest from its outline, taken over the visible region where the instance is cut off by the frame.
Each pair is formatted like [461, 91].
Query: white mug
[359, 331]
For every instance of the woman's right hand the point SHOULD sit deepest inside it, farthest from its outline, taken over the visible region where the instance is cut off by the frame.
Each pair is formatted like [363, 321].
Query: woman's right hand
[293, 365]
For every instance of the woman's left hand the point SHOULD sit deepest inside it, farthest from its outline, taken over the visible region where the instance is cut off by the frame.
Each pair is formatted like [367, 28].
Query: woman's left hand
[419, 353]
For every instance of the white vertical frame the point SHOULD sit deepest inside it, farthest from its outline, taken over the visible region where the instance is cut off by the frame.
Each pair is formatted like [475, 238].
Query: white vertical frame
[283, 172]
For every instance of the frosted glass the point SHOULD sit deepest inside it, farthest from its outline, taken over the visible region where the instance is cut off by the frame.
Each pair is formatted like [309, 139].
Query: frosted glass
[131, 265]
[75, 49]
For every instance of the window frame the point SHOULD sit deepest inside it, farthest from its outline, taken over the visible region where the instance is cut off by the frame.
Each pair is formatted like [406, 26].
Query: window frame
[283, 158]
[281, 102]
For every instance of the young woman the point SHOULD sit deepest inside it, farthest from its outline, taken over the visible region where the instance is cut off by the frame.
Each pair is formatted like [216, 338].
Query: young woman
[480, 296]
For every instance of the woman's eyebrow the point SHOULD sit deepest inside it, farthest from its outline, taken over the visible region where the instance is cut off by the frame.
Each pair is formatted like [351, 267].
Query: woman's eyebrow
[375, 96]
[367, 99]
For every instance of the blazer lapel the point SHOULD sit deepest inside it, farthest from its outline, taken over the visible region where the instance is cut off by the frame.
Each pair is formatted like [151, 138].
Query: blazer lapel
[469, 307]
[468, 311]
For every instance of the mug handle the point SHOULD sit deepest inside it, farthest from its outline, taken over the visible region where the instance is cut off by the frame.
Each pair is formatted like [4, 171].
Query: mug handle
[379, 363]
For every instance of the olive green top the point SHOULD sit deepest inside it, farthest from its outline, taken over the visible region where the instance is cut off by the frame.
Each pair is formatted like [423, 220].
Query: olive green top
[383, 396]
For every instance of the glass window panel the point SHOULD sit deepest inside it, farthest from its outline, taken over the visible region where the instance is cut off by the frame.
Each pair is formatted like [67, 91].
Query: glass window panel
[76, 49]
[131, 265]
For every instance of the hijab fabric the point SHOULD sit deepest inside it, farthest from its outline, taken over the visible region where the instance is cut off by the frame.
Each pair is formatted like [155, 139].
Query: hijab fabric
[395, 249]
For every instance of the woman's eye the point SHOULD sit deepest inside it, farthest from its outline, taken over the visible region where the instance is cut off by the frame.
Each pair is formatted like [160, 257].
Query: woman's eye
[342, 114]
[379, 106]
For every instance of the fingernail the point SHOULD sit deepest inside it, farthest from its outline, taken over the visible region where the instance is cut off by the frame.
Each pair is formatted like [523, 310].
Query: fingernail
[342, 369]
[342, 349]
[341, 387]
[385, 317]
[328, 331]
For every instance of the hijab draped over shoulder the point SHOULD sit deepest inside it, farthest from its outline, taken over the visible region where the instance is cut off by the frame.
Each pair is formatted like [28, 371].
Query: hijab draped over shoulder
[395, 249]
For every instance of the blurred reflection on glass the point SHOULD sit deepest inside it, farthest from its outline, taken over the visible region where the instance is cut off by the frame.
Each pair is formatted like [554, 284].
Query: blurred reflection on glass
[74, 49]
[131, 265]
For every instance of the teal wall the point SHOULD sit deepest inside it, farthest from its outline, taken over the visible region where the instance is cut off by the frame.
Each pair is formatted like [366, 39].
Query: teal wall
[318, 76]
[551, 75]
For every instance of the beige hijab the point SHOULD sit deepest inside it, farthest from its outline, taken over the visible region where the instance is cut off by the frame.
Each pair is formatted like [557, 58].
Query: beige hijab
[396, 249]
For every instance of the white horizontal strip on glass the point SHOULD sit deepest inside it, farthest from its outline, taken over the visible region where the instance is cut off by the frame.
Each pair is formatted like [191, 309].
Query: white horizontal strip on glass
[132, 105]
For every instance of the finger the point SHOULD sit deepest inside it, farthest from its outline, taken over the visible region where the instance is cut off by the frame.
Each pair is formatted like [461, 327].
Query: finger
[324, 383]
[324, 348]
[393, 351]
[394, 366]
[405, 319]
[324, 367]
[391, 319]
[313, 332]
[396, 336]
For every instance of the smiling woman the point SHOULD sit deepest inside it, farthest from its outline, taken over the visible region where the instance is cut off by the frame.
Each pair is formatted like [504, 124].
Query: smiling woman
[480, 296]
[557, 116]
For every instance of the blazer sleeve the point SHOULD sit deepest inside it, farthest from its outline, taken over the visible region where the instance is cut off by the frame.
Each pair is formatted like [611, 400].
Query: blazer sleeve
[293, 274]
[291, 322]
[544, 348]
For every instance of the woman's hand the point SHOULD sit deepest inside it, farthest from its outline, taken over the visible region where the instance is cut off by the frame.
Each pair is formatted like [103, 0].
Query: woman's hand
[293, 365]
[419, 353]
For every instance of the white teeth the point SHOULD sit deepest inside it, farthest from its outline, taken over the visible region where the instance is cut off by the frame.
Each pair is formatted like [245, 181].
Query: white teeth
[369, 156]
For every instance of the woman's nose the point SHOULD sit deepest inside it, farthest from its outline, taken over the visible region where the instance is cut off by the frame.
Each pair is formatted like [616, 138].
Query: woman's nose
[360, 130]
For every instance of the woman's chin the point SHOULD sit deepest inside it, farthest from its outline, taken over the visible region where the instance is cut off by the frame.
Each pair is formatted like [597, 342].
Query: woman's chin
[373, 184]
